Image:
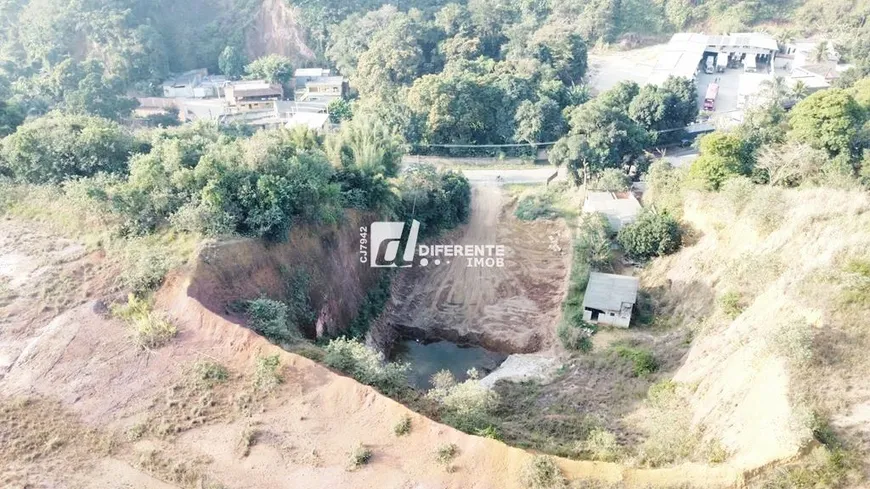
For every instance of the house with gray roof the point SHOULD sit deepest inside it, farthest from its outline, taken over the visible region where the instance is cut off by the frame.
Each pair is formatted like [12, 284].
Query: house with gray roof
[610, 299]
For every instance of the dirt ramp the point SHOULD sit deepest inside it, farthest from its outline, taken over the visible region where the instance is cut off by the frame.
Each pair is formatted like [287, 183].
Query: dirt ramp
[510, 309]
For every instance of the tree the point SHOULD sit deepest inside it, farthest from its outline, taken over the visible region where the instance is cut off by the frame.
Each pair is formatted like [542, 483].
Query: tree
[612, 180]
[439, 200]
[651, 235]
[273, 68]
[468, 102]
[86, 88]
[367, 144]
[232, 62]
[394, 57]
[599, 137]
[58, 147]
[790, 164]
[10, 118]
[620, 96]
[829, 120]
[538, 121]
[723, 156]
[820, 52]
[350, 38]
[339, 110]
[560, 46]
[662, 109]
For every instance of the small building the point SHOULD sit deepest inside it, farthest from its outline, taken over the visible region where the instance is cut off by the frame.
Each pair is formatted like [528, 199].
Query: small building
[302, 75]
[184, 84]
[619, 208]
[253, 95]
[685, 51]
[311, 120]
[610, 299]
[323, 89]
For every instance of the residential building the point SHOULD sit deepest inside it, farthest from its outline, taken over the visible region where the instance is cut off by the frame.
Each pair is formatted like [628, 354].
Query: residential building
[619, 208]
[610, 299]
[183, 85]
[252, 95]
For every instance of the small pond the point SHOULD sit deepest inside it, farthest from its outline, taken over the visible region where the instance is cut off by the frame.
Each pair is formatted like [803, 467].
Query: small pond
[426, 359]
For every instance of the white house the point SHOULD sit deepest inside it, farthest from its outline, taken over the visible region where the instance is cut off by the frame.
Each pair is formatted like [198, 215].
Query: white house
[610, 299]
[619, 209]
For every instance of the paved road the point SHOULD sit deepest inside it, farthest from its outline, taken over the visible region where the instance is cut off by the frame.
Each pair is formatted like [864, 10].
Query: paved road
[490, 177]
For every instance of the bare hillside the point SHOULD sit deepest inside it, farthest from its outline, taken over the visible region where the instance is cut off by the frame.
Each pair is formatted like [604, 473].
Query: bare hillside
[775, 291]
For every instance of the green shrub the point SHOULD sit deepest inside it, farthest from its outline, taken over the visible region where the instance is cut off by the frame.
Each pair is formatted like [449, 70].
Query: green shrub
[466, 405]
[490, 432]
[372, 307]
[267, 376]
[731, 304]
[269, 318]
[601, 445]
[611, 180]
[643, 362]
[146, 263]
[541, 472]
[403, 427]
[58, 147]
[209, 373]
[359, 456]
[446, 453]
[439, 200]
[650, 236]
[365, 365]
[576, 334]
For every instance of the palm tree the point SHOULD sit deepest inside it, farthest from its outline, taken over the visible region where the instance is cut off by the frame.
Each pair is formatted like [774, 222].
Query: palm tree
[799, 91]
[776, 89]
[820, 53]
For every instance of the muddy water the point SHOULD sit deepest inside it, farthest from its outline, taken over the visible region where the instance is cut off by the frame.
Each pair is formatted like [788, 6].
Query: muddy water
[426, 359]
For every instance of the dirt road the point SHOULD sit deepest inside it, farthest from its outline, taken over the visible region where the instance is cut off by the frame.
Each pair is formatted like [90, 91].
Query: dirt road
[511, 308]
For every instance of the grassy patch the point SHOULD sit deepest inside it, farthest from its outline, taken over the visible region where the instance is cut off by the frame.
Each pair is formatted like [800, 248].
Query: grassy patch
[170, 468]
[535, 206]
[642, 361]
[150, 329]
[208, 373]
[856, 291]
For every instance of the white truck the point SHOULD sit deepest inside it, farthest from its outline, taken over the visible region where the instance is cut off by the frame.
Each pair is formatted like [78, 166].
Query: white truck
[721, 62]
[708, 69]
[749, 65]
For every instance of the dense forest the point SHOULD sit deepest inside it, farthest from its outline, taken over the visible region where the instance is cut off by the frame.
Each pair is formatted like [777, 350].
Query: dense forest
[425, 67]
[424, 74]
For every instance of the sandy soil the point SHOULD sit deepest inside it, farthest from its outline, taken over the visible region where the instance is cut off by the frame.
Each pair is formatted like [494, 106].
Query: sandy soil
[510, 309]
[81, 406]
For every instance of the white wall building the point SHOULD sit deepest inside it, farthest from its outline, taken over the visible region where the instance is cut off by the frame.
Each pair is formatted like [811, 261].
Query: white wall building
[619, 209]
[610, 299]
